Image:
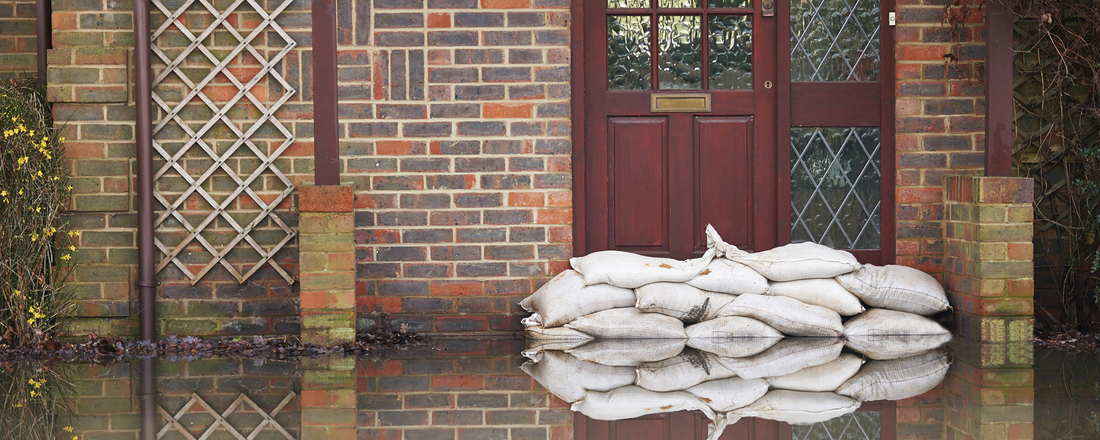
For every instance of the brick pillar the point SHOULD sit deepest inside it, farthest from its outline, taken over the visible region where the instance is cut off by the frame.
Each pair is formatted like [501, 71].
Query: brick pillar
[328, 398]
[989, 270]
[990, 391]
[326, 249]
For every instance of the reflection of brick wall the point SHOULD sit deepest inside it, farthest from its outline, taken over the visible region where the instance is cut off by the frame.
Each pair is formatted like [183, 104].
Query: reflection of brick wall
[474, 389]
[921, 417]
[940, 125]
[990, 392]
[18, 40]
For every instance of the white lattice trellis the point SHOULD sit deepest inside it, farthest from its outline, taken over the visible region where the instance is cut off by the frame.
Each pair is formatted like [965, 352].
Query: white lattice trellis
[242, 129]
[173, 421]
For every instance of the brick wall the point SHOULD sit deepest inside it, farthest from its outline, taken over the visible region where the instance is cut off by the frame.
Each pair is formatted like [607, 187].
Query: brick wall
[940, 123]
[18, 41]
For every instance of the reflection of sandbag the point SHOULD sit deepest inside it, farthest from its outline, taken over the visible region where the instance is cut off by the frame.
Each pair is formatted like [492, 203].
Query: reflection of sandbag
[786, 357]
[824, 292]
[624, 269]
[824, 377]
[788, 315]
[628, 352]
[630, 402]
[689, 368]
[797, 261]
[565, 298]
[733, 347]
[568, 377]
[897, 379]
[557, 338]
[893, 347]
[681, 301]
[799, 407]
[629, 323]
[896, 288]
[727, 327]
[726, 276]
[725, 394]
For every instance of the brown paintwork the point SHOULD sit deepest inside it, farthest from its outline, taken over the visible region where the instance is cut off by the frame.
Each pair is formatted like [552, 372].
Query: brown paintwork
[326, 153]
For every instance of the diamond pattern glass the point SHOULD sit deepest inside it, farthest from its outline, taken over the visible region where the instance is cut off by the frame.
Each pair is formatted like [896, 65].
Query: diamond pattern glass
[679, 64]
[628, 58]
[730, 51]
[836, 186]
[613, 4]
[835, 40]
[856, 426]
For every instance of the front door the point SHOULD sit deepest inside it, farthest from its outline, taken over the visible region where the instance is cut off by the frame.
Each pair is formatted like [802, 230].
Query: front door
[760, 117]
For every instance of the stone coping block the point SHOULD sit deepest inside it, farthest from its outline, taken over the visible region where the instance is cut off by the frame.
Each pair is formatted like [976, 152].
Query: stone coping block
[993, 190]
[326, 198]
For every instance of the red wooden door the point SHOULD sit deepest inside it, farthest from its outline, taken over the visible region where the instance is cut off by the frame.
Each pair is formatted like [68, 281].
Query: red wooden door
[680, 96]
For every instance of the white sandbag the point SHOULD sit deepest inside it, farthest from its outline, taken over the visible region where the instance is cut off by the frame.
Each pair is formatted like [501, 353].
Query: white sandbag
[624, 269]
[788, 315]
[824, 292]
[569, 378]
[565, 298]
[896, 288]
[786, 357]
[629, 323]
[727, 327]
[897, 379]
[796, 261]
[726, 394]
[689, 368]
[733, 347]
[681, 301]
[628, 352]
[556, 338]
[799, 407]
[824, 377]
[884, 348]
[726, 276]
[630, 402]
[887, 334]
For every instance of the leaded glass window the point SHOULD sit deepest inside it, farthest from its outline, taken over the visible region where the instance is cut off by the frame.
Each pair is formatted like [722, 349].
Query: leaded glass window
[835, 40]
[856, 426]
[836, 186]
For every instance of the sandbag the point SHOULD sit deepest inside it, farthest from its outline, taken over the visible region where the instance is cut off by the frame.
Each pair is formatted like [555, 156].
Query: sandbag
[896, 288]
[882, 322]
[726, 394]
[726, 276]
[628, 352]
[624, 269]
[796, 261]
[788, 315]
[799, 407]
[629, 323]
[897, 379]
[556, 338]
[630, 402]
[569, 378]
[786, 357]
[565, 298]
[727, 327]
[824, 292]
[895, 347]
[689, 368]
[681, 301]
[733, 347]
[824, 377]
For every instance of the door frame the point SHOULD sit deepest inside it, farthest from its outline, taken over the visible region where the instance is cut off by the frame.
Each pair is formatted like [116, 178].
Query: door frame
[782, 229]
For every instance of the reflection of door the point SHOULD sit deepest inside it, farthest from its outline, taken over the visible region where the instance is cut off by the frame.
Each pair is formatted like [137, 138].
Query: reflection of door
[678, 94]
[775, 126]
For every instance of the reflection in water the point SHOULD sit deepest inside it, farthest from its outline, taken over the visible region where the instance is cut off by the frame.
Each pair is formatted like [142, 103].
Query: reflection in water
[471, 389]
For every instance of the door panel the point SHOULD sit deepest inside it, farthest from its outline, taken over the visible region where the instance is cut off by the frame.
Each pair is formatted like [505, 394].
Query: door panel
[722, 148]
[639, 194]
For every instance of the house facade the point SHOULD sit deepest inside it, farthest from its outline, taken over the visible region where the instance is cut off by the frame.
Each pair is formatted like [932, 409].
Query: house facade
[477, 145]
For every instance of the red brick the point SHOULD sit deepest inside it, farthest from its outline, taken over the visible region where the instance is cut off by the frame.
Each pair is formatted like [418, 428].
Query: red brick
[457, 383]
[497, 110]
[919, 195]
[456, 288]
[920, 53]
[554, 216]
[327, 198]
[535, 200]
[439, 20]
[399, 148]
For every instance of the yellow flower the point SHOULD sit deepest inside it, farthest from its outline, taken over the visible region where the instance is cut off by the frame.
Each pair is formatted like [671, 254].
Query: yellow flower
[70, 187]
[34, 393]
[66, 257]
[30, 321]
[17, 293]
[72, 248]
[20, 192]
[55, 178]
[3, 193]
[34, 236]
[67, 429]
[73, 233]
[22, 160]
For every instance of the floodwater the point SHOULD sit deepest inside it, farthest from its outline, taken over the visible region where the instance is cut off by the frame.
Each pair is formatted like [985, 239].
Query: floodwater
[479, 389]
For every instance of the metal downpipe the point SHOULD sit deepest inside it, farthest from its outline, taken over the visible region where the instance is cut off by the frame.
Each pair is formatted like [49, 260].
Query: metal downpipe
[44, 26]
[143, 136]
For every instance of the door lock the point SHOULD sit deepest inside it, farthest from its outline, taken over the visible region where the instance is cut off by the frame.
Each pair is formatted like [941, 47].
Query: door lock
[767, 8]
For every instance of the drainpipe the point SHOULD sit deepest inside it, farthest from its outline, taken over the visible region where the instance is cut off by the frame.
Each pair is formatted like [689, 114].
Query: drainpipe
[143, 135]
[326, 153]
[44, 22]
[148, 397]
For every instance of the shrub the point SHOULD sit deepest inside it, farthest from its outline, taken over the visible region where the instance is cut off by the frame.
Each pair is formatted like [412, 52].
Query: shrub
[35, 247]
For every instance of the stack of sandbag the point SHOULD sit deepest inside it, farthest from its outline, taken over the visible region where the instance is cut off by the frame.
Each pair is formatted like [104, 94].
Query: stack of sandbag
[794, 380]
[801, 289]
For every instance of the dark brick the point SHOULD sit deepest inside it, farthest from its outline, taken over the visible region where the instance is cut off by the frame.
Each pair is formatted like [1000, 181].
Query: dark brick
[480, 235]
[372, 129]
[505, 181]
[481, 269]
[456, 253]
[456, 111]
[457, 147]
[561, 180]
[452, 38]
[444, 75]
[461, 324]
[553, 146]
[479, 19]
[401, 111]
[426, 201]
[553, 110]
[509, 252]
[479, 93]
[552, 37]
[922, 89]
[949, 106]
[184, 291]
[402, 218]
[428, 236]
[526, 19]
[399, 20]
[452, 4]
[508, 38]
[379, 401]
[922, 160]
[394, 4]
[527, 234]
[479, 200]
[510, 417]
[552, 74]
[946, 143]
[446, 181]
[527, 91]
[555, 252]
[508, 217]
[427, 305]
[965, 160]
[479, 56]
[427, 129]
[269, 307]
[479, 164]
[427, 400]
[455, 218]
[481, 128]
[482, 401]
[425, 165]
[234, 290]
[402, 288]
[397, 39]
[523, 269]
[505, 74]
[402, 418]
[400, 253]
[397, 183]
[444, 418]
[526, 164]
[528, 128]
[377, 270]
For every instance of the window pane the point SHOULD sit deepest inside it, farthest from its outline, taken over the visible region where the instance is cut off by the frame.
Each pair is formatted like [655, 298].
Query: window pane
[612, 4]
[857, 426]
[835, 40]
[730, 4]
[836, 186]
[678, 3]
[730, 51]
[680, 61]
[628, 58]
